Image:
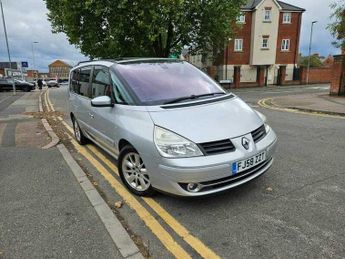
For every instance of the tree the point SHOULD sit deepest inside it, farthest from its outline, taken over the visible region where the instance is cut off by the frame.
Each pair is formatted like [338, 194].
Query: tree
[337, 28]
[113, 28]
[314, 61]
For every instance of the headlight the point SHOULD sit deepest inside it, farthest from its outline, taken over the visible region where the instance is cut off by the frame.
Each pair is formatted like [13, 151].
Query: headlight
[263, 117]
[267, 128]
[171, 145]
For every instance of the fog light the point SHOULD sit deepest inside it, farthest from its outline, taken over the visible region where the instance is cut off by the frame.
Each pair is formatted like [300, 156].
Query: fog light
[193, 187]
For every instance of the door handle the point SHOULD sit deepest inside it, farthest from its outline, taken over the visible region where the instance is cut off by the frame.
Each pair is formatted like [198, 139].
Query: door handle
[91, 115]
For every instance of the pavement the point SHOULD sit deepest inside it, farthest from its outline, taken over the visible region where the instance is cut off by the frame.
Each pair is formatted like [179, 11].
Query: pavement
[45, 212]
[311, 102]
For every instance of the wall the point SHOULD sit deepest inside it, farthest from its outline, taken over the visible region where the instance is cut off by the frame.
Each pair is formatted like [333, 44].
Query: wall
[258, 55]
[289, 31]
[243, 32]
[316, 75]
[338, 76]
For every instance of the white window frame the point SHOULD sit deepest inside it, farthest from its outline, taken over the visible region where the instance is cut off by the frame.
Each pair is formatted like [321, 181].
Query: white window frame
[285, 46]
[267, 43]
[287, 17]
[269, 17]
[238, 45]
[241, 18]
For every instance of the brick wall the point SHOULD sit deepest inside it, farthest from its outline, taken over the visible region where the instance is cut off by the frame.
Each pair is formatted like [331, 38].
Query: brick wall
[289, 31]
[243, 32]
[338, 76]
[317, 75]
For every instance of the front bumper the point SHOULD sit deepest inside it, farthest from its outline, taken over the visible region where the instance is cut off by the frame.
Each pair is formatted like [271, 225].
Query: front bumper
[212, 173]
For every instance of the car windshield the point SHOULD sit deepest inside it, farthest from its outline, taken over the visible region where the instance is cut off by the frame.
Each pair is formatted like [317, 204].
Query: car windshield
[160, 82]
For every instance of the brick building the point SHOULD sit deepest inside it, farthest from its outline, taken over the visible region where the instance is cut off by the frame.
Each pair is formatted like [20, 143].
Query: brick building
[265, 47]
[59, 69]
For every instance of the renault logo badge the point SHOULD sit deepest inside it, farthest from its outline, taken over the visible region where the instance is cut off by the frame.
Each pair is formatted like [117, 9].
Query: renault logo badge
[245, 143]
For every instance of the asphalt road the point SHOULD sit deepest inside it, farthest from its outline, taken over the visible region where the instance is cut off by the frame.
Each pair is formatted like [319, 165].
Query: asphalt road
[295, 210]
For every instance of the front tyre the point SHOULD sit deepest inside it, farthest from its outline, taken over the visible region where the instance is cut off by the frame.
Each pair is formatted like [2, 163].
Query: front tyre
[133, 172]
[78, 134]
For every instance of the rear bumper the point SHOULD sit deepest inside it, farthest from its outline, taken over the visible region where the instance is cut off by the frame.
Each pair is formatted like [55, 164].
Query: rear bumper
[212, 173]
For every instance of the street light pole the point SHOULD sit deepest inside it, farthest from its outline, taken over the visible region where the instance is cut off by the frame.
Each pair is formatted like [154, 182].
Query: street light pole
[309, 57]
[8, 48]
[33, 56]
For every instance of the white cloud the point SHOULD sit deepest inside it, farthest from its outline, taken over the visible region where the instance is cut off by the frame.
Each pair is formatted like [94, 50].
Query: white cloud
[316, 10]
[26, 22]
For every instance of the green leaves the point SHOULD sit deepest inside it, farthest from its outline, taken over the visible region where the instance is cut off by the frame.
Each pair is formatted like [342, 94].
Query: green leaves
[113, 28]
[337, 28]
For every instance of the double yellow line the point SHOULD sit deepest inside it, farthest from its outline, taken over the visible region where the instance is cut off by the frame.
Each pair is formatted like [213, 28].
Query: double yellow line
[90, 152]
[269, 104]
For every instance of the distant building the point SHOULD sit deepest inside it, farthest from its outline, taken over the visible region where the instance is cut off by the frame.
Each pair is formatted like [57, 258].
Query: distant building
[328, 61]
[32, 74]
[6, 66]
[59, 69]
[264, 47]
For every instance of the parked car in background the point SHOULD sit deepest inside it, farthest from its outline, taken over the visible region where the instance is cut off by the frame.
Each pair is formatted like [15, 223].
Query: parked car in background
[44, 82]
[7, 84]
[53, 83]
[63, 82]
[169, 125]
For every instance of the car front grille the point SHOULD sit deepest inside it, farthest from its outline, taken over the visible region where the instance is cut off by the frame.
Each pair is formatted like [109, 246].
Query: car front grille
[217, 147]
[259, 133]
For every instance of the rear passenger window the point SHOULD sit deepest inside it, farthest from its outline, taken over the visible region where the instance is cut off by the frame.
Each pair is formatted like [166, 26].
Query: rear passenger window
[101, 82]
[84, 82]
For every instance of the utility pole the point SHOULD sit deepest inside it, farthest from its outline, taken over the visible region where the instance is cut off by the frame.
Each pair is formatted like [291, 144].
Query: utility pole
[309, 57]
[33, 57]
[8, 48]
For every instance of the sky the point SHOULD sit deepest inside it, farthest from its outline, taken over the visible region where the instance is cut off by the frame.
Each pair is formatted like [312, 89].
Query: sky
[26, 22]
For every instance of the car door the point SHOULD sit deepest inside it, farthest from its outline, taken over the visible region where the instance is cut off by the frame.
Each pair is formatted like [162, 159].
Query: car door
[103, 118]
[80, 97]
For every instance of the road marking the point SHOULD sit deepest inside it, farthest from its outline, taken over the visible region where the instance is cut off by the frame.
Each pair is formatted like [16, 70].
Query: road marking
[49, 102]
[156, 228]
[194, 242]
[263, 103]
[180, 230]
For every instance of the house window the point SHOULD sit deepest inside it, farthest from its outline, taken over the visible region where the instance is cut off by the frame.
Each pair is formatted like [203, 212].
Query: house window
[285, 44]
[286, 17]
[264, 42]
[267, 14]
[238, 45]
[241, 18]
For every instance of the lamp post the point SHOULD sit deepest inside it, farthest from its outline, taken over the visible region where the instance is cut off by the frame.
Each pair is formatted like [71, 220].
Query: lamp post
[309, 57]
[33, 56]
[8, 48]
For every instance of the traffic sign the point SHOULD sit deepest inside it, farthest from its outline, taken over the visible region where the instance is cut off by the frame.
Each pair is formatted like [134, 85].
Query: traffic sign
[25, 64]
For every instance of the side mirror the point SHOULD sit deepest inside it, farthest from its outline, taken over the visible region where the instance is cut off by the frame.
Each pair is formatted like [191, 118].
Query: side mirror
[102, 101]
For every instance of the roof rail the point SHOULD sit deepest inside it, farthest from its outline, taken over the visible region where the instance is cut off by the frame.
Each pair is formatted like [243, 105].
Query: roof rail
[85, 61]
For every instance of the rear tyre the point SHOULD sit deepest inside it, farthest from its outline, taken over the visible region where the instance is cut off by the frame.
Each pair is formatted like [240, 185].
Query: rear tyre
[133, 172]
[78, 134]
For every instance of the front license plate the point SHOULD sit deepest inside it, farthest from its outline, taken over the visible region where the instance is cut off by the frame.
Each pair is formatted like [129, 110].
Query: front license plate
[248, 163]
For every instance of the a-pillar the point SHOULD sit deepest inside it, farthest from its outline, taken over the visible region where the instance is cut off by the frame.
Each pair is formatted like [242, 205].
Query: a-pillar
[237, 76]
[261, 75]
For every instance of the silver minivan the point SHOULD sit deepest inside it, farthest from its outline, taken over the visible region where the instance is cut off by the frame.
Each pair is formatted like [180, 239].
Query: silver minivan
[170, 126]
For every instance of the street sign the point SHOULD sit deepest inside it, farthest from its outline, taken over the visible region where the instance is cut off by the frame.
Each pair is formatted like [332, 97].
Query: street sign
[25, 64]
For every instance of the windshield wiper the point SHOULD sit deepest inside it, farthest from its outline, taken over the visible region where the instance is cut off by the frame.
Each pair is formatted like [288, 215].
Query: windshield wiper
[191, 97]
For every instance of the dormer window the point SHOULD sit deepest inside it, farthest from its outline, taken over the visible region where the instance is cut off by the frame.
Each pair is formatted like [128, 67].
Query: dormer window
[241, 18]
[267, 14]
[286, 17]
